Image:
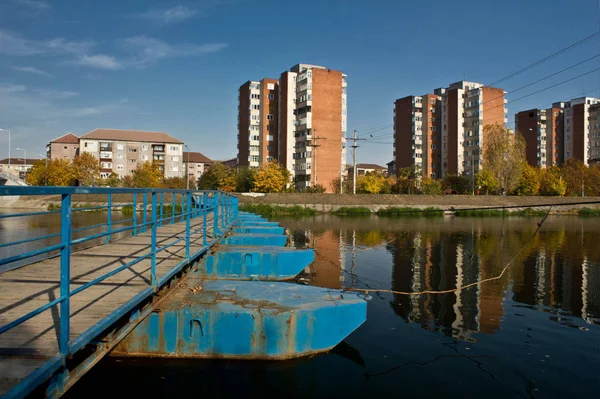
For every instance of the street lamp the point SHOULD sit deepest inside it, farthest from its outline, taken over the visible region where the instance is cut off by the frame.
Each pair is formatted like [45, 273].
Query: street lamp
[24, 161]
[6, 130]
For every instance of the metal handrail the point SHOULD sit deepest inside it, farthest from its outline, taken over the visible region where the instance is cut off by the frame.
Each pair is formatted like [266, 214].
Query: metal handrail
[194, 204]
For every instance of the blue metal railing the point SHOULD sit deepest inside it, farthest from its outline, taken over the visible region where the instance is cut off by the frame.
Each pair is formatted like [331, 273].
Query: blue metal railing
[194, 204]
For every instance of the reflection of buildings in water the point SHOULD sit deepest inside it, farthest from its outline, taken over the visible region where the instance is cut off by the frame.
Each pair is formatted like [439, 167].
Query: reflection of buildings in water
[422, 263]
[329, 259]
[552, 279]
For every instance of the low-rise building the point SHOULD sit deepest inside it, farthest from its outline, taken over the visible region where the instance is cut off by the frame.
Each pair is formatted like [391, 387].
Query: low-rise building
[121, 151]
[363, 168]
[196, 164]
[18, 167]
[63, 147]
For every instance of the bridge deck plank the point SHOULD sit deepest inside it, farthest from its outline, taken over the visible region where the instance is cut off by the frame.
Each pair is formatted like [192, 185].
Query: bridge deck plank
[24, 348]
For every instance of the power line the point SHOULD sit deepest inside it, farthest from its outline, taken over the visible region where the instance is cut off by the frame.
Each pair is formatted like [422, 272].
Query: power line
[553, 55]
[542, 79]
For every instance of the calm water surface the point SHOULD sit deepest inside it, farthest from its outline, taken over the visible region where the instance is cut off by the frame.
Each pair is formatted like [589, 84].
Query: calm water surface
[533, 333]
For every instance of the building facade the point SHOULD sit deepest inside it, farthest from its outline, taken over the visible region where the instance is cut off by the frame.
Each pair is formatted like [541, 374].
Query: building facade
[18, 167]
[121, 151]
[299, 120]
[581, 129]
[442, 133]
[196, 164]
[257, 122]
[542, 130]
[63, 147]
[417, 132]
[466, 108]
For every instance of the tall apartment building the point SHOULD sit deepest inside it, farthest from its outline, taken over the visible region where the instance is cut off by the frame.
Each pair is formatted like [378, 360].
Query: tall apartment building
[257, 122]
[121, 151]
[63, 147]
[466, 108]
[542, 130]
[417, 134]
[581, 129]
[288, 119]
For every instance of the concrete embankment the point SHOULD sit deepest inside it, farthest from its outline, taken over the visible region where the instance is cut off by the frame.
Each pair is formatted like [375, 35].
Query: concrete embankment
[375, 202]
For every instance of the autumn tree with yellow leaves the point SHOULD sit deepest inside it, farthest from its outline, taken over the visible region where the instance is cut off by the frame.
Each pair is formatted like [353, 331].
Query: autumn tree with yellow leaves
[271, 178]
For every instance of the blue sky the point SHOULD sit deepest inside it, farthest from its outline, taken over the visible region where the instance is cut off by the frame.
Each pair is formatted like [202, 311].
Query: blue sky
[175, 66]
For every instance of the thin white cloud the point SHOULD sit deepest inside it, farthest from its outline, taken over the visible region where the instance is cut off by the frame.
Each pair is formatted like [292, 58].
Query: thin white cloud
[33, 70]
[56, 94]
[100, 61]
[37, 6]
[15, 44]
[145, 50]
[170, 15]
[9, 88]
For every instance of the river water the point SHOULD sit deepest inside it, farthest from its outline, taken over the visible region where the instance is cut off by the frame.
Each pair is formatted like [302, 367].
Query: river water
[533, 333]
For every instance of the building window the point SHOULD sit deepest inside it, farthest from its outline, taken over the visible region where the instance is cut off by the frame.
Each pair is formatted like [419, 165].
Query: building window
[270, 137]
[270, 86]
[120, 146]
[132, 160]
[144, 157]
[145, 147]
[132, 150]
[106, 165]
[175, 159]
[120, 156]
[120, 167]
[270, 117]
[174, 169]
[65, 147]
[271, 96]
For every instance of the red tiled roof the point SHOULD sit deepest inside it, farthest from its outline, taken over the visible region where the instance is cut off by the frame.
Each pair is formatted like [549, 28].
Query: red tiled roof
[368, 166]
[131, 135]
[68, 138]
[196, 157]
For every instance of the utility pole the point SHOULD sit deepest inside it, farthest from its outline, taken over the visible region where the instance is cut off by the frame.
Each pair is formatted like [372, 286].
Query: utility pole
[582, 182]
[342, 166]
[354, 147]
[473, 174]
[314, 145]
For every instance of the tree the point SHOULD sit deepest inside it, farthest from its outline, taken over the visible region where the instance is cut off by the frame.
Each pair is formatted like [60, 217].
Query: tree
[405, 183]
[456, 183]
[59, 172]
[316, 189]
[575, 174]
[431, 186]
[503, 155]
[552, 183]
[271, 178]
[370, 184]
[486, 180]
[113, 180]
[86, 169]
[147, 175]
[245, 179]
[218, 177]
[347, 185]
[176, 183]
[529, 183]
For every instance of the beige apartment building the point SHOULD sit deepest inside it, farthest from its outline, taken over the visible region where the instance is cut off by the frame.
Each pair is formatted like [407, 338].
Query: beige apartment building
[121, 151]
[196, 164]
[18, 167]
[63, 147]
[442, 134]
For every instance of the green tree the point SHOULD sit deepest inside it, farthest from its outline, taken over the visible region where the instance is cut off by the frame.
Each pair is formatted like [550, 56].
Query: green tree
[552, 183]
[271, 178]
[486, 181]
[147, 175]
[218, 177]
[503, 155]
[456, 183]
[529, 183]
[87, 169]
[245, 179]
[406, 179]
[431, 186]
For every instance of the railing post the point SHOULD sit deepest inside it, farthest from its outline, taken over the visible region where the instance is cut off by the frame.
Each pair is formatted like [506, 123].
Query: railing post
[65, 274]
[162, 204]
[135, 214]
[109, 219]
[222, 206]
[188, 217]
[216, 215]
[173, 207]
[145, 217]
[204, 215]
[153, 241]
[182, 207]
